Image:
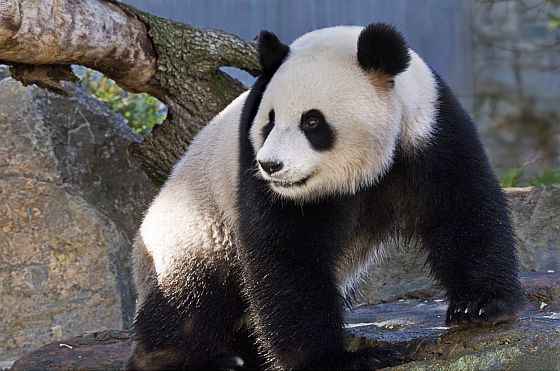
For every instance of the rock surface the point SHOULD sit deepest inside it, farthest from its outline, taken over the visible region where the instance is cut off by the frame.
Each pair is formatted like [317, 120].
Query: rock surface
[413, 327]
[4, 71]
[416, 329]
[70, 202]
[536, 213]
[536, 217]
[107, 350]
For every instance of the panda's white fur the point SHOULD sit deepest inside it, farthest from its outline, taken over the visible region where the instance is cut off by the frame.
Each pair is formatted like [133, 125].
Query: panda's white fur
[195, 209]
[322, 72]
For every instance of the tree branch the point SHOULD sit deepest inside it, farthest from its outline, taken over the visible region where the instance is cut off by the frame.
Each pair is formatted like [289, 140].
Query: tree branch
[174, 62]
[188, 71]
[92, 33]
[46, 76]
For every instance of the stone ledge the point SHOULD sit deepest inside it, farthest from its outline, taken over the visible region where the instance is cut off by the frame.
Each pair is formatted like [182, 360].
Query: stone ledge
[414, 327]
[107, 350]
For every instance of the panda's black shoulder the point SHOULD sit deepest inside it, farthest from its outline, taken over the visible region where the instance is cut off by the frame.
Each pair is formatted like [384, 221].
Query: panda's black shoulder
[451, 152]
[454, 129]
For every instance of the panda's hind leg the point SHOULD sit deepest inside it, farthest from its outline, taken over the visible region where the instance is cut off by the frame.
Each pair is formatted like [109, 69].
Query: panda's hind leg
[196, 324]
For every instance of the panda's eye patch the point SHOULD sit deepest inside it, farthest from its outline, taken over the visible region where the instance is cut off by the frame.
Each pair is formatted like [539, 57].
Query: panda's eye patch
[312, 119]
[317, 130]
[265, 131]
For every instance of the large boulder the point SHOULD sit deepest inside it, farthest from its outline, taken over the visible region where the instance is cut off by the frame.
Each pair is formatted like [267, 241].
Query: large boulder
[70, 201]
[536, 217]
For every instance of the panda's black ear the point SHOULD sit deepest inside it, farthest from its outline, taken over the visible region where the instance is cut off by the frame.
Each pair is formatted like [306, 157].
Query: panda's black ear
[381, 48]
[271, 52]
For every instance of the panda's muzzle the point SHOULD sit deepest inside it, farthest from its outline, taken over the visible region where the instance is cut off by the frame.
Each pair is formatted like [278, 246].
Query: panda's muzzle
[271, 172]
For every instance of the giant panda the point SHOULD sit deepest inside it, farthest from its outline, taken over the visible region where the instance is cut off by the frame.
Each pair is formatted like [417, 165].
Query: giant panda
[346, 143]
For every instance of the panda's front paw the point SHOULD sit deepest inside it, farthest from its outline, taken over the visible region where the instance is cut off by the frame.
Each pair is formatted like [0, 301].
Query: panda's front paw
[485, 311]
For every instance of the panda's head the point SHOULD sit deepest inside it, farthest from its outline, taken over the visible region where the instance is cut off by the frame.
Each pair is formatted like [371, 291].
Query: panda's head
[329, 118]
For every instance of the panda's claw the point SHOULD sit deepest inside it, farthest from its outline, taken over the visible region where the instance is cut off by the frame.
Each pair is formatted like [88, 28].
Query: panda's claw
[482, 311]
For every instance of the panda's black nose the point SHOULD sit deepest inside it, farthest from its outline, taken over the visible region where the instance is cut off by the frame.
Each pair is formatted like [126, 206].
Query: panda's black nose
[271, 166]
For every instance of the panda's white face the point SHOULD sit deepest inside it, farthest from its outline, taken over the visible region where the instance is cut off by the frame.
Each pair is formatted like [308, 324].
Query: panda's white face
[323, 127]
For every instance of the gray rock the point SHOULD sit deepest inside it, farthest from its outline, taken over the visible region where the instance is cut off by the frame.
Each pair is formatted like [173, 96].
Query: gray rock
[400, 274]
[70, 201]
[536, 213]
[541, 288]
[4, 71]
[416, 328]
[107, 350]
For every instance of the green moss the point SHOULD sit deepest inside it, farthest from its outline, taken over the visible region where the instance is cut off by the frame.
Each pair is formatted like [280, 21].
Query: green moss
[513, 178]
[221, 84]
[544, 178]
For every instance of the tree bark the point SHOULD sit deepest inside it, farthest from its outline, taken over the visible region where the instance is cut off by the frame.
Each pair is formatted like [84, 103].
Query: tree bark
[93, 33]
[196, 90]
[174, 62]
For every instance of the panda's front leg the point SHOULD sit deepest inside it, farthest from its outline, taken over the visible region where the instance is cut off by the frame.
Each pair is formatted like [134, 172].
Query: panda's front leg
[287, 254]
[294, 309]
[471, 249]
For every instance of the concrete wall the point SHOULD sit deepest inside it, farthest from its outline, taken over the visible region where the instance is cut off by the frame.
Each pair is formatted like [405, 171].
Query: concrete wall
[517, 82]
[438, 30]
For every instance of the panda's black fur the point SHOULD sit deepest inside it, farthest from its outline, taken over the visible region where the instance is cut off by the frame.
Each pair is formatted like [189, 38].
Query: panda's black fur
[391, 51]
[444, 194]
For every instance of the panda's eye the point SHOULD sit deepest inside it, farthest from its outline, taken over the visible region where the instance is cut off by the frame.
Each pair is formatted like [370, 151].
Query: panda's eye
[311, 120]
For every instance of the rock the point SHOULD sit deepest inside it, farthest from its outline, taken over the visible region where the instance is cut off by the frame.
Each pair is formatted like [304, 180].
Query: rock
[536, 213]
[536, 217]
[70, 201]
[401, 274]
[416, 328]
[4, 71]
[413, 327]
[516, 107]
[541, 287]
[107, 350]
